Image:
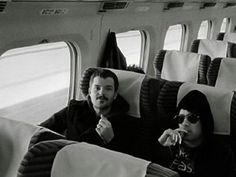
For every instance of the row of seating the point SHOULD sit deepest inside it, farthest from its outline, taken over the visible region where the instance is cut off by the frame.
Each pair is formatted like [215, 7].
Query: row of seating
[193, 66]
[196, 68]
[154, 108]
[214, 48]
[36, 155]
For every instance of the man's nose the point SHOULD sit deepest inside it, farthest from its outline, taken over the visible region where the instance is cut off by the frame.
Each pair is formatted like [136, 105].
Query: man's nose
[185, 122]
[101, 91]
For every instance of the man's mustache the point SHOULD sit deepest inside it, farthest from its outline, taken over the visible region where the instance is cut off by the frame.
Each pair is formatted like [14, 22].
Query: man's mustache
[101, 97]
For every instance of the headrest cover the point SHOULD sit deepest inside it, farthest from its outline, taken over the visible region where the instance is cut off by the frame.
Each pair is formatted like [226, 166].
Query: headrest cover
[15, 138]
[226, 74]
[213, 48]
[183, 66]
[230, 37]
[96, 161]
[219, 101]
[129, 87]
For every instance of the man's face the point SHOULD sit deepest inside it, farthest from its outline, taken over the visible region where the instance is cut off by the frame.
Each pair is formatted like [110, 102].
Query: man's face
[194, 130]
[102, 92]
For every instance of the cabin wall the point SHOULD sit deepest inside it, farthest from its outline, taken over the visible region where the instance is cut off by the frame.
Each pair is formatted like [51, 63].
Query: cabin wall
[83, 24]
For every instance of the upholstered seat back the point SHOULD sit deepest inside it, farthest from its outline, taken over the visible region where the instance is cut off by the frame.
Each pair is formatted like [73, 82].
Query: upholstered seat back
[181, 66]
[229, 36]
[222, 73]
[213, 48]
[39, 161]
[15, 138]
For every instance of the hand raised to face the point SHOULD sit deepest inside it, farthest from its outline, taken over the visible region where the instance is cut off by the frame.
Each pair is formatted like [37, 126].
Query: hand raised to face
[104, 129]
[171, 137]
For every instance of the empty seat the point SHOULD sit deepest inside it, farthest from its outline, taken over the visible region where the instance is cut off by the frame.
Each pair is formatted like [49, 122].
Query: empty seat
[141, 92]
[222, 73]
[181, 66]
[229, 36]
[214, 48]
[15, 138]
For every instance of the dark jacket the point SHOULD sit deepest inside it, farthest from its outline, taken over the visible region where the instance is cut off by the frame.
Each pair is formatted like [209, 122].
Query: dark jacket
[210, 159]
[79, 120]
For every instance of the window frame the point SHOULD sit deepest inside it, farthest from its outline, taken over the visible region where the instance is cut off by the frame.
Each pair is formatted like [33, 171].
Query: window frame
[73, 74]
[143, 44]
[183, 28]
[209, 29]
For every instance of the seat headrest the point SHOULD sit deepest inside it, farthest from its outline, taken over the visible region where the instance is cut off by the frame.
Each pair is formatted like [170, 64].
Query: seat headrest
[213, 48]
[183, 66]
[230, 37]
[129, 87]
[15, 138]
[220, 103]
[225, 77]
[105, 162]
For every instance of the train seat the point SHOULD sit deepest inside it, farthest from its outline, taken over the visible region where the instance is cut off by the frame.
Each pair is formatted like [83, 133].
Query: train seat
[15, 138]
[184, 66]
[214, 48]
[44, 134]
[141, 92]
[222, 72]
[222, 103]
[116, 163]
[38, 160]
[229, 36]
[42, 160]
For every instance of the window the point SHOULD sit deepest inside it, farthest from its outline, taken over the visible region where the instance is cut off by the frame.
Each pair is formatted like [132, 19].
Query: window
[34, 81]
[130, 44]
[174, 37]
[225, 26]
[204, 30]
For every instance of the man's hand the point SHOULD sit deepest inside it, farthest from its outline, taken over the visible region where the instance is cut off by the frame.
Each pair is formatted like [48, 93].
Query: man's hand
[104, 129]
[171, 137]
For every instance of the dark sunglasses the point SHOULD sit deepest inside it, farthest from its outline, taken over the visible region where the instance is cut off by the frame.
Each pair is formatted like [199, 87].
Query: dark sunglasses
[192, 118]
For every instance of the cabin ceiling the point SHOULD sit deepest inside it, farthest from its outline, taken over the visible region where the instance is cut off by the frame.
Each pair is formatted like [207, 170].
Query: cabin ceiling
[164, 1]
[151, 1]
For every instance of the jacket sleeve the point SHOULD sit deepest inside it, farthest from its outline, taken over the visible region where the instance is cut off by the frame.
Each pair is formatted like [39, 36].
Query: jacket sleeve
[229, 163]
[125, 130]
[56, 122]
[91, 136]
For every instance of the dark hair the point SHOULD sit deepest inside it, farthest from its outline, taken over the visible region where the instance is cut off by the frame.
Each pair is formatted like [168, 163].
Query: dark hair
[197, 103]
[105, 73]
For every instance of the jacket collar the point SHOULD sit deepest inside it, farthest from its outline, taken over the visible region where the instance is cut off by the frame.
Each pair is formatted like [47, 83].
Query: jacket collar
[119, 106]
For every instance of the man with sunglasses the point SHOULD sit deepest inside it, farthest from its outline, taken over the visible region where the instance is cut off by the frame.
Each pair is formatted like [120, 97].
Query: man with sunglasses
[190, 148]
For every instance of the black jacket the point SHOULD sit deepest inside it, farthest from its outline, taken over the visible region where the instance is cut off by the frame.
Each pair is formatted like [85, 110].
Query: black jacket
[78, 122]
[212, 158]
